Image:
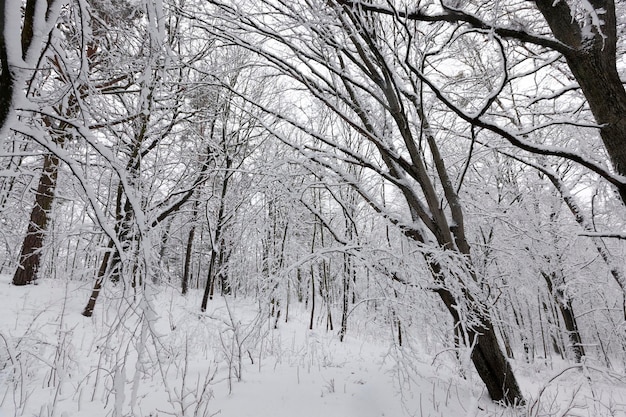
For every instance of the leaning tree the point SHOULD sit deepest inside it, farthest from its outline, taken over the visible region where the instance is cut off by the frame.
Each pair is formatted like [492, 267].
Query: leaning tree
[353, 62]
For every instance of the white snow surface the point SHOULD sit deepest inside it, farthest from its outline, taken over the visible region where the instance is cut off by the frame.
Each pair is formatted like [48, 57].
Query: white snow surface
[176, 361]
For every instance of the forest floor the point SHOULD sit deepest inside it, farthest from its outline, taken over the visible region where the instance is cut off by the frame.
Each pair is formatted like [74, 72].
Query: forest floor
[165, 358]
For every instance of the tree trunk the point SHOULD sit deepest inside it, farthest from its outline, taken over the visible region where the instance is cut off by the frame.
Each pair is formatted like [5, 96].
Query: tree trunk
[312, 316]
[97, 287]
[6, 80]
[223, 276]
[593, 64]
[567, 313]
[606, 97]
[112, 258]
[217, 241]
[188, 249]
[347, 277]
[572, 330]
[30, 256]
[491, 364]
[208, 289]
[187, 265]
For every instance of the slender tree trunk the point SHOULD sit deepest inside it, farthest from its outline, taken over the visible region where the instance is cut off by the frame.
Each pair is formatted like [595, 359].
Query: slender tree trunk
[187, 265]
[313, 279]
[565, 308]
[548, 314]
[224, 278]
[217, 242]
[325, 273]
[97, 287]
[288, 301]
[189, 249]
[347, 277]
[312, 316]
[30, 256]
[299, 293]
[209, 284]
[572, 330]
[111, 261]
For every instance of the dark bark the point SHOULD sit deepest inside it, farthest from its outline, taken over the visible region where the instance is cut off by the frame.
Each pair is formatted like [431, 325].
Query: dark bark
[217, 242]
[326, 295]
[593, 64]
[97, 287]
[6, 79]
[491, 364]
[347, 277]
[572, 330]
[187, 265]
[111, 260]
[208, 292]
[299, 292]
[189, 249]
[312, 315]
[288, 301]
[564, 305]
[27, 28]
[213, 265]
[30, 256]
[222, 274]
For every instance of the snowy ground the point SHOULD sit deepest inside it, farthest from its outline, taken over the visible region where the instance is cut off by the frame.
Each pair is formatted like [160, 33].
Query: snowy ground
[129, 360]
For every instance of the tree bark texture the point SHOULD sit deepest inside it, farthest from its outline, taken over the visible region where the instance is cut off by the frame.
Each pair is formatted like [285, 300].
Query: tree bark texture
[487, 356]
[189, 248]
[567, 313]
[97, 287]
[6, 80]
[217, 241]
[30, 255]
[592, 61]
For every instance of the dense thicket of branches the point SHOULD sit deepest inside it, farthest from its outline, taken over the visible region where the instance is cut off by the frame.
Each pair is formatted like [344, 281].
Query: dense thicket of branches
[427, 162]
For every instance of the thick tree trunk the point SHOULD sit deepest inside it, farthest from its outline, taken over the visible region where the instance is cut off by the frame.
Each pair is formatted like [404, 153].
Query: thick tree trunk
[491, 364]
[26, 37]
[592, 61]
[600, 82]
[6, 80]
[30, 256]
